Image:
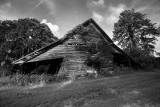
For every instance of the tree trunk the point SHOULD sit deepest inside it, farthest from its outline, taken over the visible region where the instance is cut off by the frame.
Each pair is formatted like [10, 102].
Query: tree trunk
[131, 35]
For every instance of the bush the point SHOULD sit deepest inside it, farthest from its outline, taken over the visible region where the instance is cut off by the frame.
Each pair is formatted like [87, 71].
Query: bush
[116, 70]
[61, 77]
[106, 71]
[24, 80]
[4, 72]
[90, 75]
[123, 70]
[48, 78]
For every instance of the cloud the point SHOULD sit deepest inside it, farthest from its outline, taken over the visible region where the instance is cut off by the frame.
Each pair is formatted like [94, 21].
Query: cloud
[157, 47]
[2, 2]
[5, 7]
[96, 7]
[99, 18]
[146, 6]
[111, 19]
[114, 13]
[143, 8]
[95, 4]
[40, 2]
[6, 11]
[118, 9]
[139, 5]
[53, 28]
[49, 4]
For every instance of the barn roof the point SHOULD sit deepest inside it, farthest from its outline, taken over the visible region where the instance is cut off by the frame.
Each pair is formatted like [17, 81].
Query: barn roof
[41, 53]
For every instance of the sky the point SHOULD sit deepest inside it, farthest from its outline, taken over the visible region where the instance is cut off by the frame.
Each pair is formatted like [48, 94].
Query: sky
[63, 15]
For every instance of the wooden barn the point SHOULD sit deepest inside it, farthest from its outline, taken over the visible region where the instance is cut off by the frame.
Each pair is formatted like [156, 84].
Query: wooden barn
[85, 47]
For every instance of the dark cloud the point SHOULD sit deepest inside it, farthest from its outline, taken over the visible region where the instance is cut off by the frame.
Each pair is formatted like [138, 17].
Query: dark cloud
[3, 1]
[23, 5]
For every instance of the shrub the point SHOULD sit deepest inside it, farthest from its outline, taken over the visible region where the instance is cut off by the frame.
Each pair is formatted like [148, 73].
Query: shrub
[106, 71]
[123, 70]
[61, 77]
[24, 80]
[4, 72]
[90, 75]
[47, 78]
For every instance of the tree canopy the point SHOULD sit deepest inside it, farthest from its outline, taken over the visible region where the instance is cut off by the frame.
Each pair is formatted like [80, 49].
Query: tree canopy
[22, 36]
[136, 34]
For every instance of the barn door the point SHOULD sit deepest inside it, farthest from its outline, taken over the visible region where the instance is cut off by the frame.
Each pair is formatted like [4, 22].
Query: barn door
[55, 66]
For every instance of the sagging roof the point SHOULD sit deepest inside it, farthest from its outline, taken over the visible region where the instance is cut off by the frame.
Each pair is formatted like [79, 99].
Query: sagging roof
[41, 53]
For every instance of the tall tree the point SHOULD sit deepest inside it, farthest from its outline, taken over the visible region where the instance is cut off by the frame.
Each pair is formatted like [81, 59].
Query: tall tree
[135, 33]
[22, 36]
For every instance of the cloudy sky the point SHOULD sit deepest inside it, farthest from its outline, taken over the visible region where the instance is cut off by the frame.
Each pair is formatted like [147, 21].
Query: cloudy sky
[62, 15]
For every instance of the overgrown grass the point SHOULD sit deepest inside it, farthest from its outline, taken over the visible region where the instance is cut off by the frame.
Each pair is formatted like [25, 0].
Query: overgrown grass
[116, 71]
[124, 70]
[24, 80]
[4, 72]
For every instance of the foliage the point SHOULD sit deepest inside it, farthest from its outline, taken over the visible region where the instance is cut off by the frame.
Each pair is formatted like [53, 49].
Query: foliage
[124, 70]
[136, 34]
[21, 80]
[22, 36]
[4, 72]
[94, 45]
[24, 80]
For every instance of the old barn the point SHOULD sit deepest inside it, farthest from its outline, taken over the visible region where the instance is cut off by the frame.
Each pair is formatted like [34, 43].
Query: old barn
[85, 47]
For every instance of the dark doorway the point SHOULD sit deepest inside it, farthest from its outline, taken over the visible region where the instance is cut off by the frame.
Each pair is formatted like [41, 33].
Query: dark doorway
[51, 66]
[55, 66]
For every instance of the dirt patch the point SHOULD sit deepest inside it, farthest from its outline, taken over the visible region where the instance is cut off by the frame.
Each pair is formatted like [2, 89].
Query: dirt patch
[66, 83]
[32, 86]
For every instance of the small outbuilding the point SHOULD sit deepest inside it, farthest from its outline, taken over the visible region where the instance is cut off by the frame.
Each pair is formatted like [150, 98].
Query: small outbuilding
[85, 47]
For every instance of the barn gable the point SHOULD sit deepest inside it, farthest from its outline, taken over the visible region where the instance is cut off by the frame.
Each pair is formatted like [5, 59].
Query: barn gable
[71, 59]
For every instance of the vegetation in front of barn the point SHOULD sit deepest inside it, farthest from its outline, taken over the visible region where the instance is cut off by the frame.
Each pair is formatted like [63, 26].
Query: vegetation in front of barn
[31, 79]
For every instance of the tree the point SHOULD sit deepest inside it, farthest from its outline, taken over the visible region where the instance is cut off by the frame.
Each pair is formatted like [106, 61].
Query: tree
[136, 34]
[22, 36]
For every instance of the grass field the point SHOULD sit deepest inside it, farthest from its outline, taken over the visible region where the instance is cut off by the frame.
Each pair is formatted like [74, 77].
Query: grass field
[133, 90]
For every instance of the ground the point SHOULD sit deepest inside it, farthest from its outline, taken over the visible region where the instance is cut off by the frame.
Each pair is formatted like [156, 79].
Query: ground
[133, 90]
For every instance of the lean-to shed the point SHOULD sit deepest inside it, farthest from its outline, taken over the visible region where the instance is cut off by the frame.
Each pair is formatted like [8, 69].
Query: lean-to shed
[79, 50]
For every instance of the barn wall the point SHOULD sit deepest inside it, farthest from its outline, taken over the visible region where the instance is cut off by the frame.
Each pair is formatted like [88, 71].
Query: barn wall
[74, 61]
